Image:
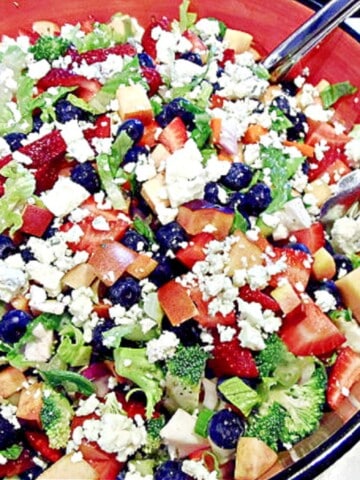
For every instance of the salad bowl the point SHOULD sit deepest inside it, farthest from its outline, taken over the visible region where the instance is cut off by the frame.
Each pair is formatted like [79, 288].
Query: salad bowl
[335, 60]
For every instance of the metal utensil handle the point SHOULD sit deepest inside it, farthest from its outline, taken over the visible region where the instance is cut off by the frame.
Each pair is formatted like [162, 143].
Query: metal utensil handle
[307, 36]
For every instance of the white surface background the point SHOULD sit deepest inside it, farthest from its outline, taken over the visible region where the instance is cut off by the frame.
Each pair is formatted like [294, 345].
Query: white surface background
[348, 467]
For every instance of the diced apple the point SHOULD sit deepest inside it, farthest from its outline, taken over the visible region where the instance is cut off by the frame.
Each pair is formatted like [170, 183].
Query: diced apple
[196, 221]
[323, 267]
[68, 469]
[142, 266]
[253, 458]
[349, 289]
[30, 403]
[286, 297]
[154, 193]
[320, 190]
[176, 302]
[134, 103]
[46, 28]
[159, 155]
[110, 260]
[244, 254]
[81, 275]
[12, 380]
[237, 40]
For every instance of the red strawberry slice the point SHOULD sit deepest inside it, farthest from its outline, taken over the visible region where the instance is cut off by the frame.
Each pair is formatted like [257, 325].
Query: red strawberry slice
[40, 443]
[101, 128]
[228, 56]
[344, 373]
[307, 330]
[194, 251]
[59, 77]
[101, 54]
[249, 295]
[204, 317]
[298, 267]
[147, 41]
[174, 135]
[13, 468]
[153, 79]
[313, 237]
[197, 45]
[230, 358]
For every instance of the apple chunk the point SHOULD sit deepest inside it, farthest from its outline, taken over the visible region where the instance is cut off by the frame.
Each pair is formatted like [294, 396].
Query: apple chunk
[349, 289]
[253, 458]
[134, 103]
[286, 297]
[30, 403]
[68, 469]
[11, 381]
[176, 302]
[323, 267]
[237, 40]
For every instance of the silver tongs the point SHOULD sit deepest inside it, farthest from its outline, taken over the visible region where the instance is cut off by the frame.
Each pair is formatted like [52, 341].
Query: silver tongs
[307, 36]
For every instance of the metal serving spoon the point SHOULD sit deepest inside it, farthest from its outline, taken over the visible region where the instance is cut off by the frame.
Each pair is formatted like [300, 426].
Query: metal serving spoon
[307, 36]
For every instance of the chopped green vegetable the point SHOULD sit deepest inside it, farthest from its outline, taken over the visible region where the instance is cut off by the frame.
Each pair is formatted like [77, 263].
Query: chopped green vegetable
[332, 93]
[239, 222]
[144, 229]
[49, 48]
[71, 381]
[202, 422]
[72, 349]
[239, 394]
[186, 18]
[12, 453]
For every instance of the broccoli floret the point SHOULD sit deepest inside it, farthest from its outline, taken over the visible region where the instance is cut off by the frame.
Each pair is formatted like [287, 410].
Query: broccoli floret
[289, 414]
[56, 414]
[183, 378]
[274, 353]
[132, 363]
[153, 440]
[49, 48]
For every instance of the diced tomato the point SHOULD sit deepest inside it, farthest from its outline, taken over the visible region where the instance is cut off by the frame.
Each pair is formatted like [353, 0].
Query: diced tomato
[313, 237]
[344, 373]
[297, 270]
[12, 468]
[249, 295]
[40, 443]
[307, 330]
[194, 251]
[104, 463]
[204, 317]
[36, 220]
[230, 358]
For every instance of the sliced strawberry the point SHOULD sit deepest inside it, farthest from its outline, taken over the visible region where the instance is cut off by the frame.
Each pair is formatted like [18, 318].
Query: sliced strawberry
[228, 56]
[194, 251]
[59, 77]
[153, 79]
[313, 237]
[230, 358]
[101, 54]
[174, 135]
[217, 101]
[249, 295]
[104, 463]
[147, 41]
[344, 373]
[40, 443]
[297, 270]
[204, 317]
[35, 220]
[12, 468]
[101, 128]
[307, 330]
[149, 138]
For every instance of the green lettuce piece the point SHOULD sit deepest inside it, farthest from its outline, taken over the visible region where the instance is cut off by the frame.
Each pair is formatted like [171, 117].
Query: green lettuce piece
[12, 453]
[239, 222]
[142, 227]
[186, 18]
[70, 381]
[19, 187]
[72, 349]
[332, 93]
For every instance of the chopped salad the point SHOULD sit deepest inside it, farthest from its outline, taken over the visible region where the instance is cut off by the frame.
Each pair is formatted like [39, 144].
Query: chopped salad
[179, 253]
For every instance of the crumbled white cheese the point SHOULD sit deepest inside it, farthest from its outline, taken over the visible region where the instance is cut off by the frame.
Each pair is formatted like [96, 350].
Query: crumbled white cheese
[198, 471]
[12, 282]
[163, 347]
[64, 197]
[345, 235]
[325, 300]
[39, 349]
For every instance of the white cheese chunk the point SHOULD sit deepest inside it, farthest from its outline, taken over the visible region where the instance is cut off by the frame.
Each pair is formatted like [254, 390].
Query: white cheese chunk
[64, 197]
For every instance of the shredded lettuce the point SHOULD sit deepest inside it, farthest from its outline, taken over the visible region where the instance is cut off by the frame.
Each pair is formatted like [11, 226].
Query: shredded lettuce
[239, 222]
[186, 18]
[70, 381]
[332, 93]
[19, 187]
[72, 349]
[12, 453]
[144, 229]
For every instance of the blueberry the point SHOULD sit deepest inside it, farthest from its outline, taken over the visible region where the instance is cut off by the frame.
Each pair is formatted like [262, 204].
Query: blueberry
[84, 174]
[239, 176]
[50, 232]
[258, 198]
[281, 103]
[327, 286]
[121, 475]
[162, 118]
[66, 111]
[170, 470]
[37, 123]
[27, 254]
[171, 236]
[343, 264]
[14, 140]
[188, 332]
[179, 107]
[289, 87]
[31, 474]
[7, 246]
[145, 60]
[225, 428]
[329, 247]
[298, 130]
[132, 239]
[164, 271]
[298, 246]
[8, 433]
[133, 154]
[13, 325]
[211, 193]
[125, 292]
[192, 57]
[133, 127]
[238, 201]
[216, 86]
[98, 339]
[305, 167]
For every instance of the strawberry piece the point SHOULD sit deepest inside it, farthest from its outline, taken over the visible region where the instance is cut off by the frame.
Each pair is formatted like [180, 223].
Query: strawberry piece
[230, 358]
[313, 237]
[197, 45]
[149, 138]
[153, 79]
[36, 220]
[298, 267]
[101, 128]
[147, 41]
[59, 77]
[104, 463]
[228, 56]
[307, 330]
[194, 251]
[40, 443]
[204, 317]
[174, 135]
[344, 373]
[101, 54]
[249, 295]
[12, 468]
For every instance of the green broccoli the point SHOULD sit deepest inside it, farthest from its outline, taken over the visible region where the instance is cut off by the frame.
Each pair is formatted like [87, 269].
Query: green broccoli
[153, 441]
[132, 363]
[289, 414]
[56, 414]
[183, 378]
[49, 48]
[273, 354]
